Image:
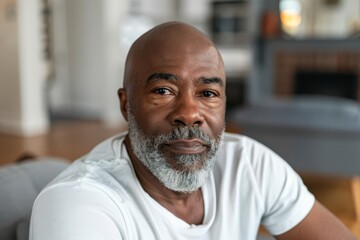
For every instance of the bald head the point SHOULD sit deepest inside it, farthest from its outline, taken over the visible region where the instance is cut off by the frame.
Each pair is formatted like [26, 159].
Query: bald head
[163, 43]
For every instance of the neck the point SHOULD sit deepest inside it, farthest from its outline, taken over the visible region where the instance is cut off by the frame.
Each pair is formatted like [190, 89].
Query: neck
[187, 206]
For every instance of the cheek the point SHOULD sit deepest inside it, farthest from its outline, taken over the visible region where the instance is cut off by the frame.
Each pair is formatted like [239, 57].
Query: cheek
[219, 119]
[215, 119]
[152, 119]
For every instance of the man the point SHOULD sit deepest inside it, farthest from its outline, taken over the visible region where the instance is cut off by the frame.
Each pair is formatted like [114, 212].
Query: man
[176, 175]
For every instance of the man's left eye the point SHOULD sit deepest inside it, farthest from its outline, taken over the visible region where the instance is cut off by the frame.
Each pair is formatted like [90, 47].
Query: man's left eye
[208, 94]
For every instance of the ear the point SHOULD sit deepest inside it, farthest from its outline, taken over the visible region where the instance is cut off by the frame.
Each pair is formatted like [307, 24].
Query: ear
[123, 102]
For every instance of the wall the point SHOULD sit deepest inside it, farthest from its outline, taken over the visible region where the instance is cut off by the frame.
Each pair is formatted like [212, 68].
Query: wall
[196, 12]
[84, 39]
[113, 61]
[77, 43]
[10, 101]
[336, 20]
[87, 59]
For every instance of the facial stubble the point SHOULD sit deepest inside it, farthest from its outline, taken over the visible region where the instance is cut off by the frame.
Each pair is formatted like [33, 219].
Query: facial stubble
[194, 168]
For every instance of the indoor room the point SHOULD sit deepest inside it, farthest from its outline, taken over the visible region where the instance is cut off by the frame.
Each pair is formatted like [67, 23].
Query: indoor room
[292, 83]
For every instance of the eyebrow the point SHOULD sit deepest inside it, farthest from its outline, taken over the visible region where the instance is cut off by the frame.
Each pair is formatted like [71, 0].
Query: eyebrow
[161, 76]
[173, 77]
[212, 80]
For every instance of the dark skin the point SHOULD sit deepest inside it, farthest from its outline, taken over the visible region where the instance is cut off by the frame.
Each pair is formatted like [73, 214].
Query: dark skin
[174, 76]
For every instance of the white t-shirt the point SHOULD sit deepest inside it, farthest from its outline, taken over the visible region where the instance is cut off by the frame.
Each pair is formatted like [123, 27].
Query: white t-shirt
[99, 197]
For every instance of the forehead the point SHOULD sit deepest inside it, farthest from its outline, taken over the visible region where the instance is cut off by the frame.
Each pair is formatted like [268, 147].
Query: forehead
[159, 76]
[186, 62]
[172, 48]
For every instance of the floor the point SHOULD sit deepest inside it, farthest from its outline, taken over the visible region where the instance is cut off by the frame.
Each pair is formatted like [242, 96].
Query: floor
[66, 139]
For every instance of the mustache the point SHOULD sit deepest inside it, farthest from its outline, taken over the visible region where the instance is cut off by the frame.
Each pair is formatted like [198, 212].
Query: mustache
[184, 133]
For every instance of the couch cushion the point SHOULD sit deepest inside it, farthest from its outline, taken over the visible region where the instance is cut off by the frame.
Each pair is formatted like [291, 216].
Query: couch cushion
[22, 229]
[303, 112]
[19, 186]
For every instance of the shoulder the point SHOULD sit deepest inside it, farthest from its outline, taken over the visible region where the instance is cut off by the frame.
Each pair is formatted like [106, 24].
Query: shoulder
[81, 190]
[245, 150]
[87, 198]
[284, 198]
[93, 172]
[77, 208]
[242, 142]
[252, 164]
[246, 156]
[105, 151]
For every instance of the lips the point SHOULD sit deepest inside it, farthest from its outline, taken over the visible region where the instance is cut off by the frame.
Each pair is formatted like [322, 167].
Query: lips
[193, 146]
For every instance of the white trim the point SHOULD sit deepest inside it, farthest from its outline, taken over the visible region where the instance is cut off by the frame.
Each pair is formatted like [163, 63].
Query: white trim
[33, 68]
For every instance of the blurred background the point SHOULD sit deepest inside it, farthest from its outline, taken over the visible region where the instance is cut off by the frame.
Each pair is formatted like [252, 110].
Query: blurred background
[62, 61]
[292, 68]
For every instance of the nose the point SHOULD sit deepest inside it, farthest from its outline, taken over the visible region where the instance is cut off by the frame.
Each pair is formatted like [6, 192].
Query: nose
[187, 112]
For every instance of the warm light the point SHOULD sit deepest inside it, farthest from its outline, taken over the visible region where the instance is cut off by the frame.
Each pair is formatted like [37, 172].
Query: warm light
[290, 19]
[290, 15]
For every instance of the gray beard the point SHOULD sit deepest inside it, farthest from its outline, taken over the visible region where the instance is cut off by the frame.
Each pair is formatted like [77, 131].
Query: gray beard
[148, 151]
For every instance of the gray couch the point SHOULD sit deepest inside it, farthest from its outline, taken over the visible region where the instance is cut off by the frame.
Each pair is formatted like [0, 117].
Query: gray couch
[19, 185]
[313, 133]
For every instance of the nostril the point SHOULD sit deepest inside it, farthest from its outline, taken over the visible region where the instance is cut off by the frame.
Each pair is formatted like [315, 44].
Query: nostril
[198, 123]
[179, 122]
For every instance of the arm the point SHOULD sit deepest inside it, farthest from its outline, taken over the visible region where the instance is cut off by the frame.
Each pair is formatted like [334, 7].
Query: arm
[320, 224]
[291, 212]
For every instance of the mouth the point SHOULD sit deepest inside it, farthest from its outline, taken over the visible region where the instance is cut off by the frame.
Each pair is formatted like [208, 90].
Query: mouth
[192, 146]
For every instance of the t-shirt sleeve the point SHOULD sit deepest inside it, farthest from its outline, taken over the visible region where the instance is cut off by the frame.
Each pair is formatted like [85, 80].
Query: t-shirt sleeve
[75, 212]
[286, 199]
